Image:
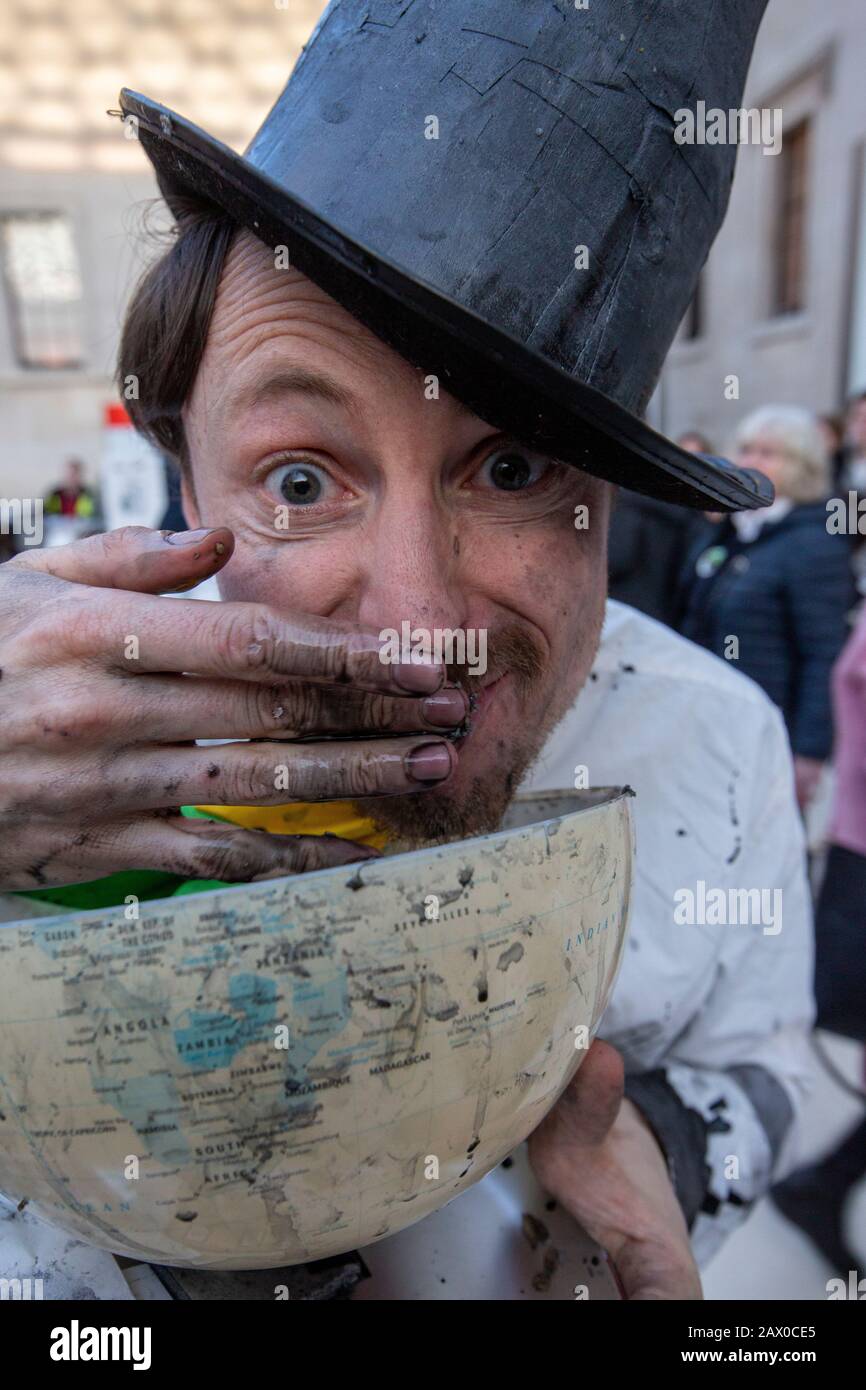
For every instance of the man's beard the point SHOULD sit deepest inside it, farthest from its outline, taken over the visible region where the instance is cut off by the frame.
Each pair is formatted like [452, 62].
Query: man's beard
[438, 816]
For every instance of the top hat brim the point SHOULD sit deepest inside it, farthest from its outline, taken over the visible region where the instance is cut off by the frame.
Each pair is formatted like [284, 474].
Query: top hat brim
[502, 380]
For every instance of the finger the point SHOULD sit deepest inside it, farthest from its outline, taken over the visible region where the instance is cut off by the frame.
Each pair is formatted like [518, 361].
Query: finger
[188, 848]
[136, 558]
[654, 1270]
[242, 774]
[588, 1107]
[184, 708]
[204, 849]
[250, 641]
[266, 774]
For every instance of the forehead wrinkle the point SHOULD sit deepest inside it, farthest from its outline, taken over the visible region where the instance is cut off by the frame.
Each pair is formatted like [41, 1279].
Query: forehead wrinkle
[255, 299]
[264, 325]
[271, 385]
[260, 307]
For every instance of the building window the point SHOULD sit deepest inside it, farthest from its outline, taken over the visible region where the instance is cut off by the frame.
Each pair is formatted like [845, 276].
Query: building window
[43, 289]
[790, 249]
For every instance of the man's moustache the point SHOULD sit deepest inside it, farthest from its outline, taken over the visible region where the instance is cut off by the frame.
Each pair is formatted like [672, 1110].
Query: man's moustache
[510, 651]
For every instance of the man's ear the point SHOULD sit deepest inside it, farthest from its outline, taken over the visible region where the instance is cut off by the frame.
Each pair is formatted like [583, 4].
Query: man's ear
[189, 506]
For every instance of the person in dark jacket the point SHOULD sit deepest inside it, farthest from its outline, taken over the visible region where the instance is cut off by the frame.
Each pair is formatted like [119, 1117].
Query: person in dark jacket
[773, 591]
[646, 544]
[850, 459]
[645, 550]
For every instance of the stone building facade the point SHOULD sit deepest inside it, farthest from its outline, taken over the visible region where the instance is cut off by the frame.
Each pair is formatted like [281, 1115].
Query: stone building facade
[74, 193]
[782, 301]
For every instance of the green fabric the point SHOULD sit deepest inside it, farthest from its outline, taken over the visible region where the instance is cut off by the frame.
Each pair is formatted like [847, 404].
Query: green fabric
[144, 884]
[108, 892]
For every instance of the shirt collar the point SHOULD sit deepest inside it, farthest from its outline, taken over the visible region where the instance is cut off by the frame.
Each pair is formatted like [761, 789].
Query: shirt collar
[749, 525]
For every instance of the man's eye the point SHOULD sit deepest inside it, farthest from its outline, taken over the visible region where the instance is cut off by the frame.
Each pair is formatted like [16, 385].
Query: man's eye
[512, 470]
[299, 484]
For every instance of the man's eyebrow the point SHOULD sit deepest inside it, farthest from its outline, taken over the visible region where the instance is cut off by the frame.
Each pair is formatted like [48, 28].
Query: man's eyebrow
[275, 384]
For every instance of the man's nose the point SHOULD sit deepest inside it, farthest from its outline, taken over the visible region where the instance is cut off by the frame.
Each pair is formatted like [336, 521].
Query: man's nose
[414, 568]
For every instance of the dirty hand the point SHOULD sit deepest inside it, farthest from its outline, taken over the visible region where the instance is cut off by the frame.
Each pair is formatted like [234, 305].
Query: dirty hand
[104, 686]
[596, 1155]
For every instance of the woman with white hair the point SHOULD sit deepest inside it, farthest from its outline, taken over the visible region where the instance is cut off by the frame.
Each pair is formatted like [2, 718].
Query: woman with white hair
[771, 590]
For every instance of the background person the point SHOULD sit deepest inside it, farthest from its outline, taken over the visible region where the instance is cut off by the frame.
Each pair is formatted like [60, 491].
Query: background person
[850, 474]
[772, 591]
[71, 507]
[695, 442]
[646, 544]
[816, 1198]
[71, 496]
[852, 469]
[833, 430]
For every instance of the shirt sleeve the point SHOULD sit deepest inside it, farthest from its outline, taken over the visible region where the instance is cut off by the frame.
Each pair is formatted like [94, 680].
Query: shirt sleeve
[725, 1102]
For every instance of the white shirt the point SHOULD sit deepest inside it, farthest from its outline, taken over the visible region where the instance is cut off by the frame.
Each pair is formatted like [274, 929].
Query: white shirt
[708, 757]
[749, 525]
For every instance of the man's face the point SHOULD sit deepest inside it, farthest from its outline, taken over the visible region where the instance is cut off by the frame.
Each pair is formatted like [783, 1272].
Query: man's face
[353, 496]
[692, 443]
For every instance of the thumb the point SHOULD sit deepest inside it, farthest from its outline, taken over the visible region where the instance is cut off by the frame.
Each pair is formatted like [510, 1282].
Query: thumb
[137, 558]
[589, 1106]
[650, 1271]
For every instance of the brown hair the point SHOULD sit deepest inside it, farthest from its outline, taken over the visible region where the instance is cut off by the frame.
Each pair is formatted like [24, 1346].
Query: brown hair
[167, 321]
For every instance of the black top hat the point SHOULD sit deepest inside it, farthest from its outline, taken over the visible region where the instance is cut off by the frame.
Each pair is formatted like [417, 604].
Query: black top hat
[495, 190]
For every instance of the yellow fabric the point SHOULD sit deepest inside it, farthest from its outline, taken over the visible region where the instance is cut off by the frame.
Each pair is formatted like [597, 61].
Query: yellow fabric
[303, 818]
